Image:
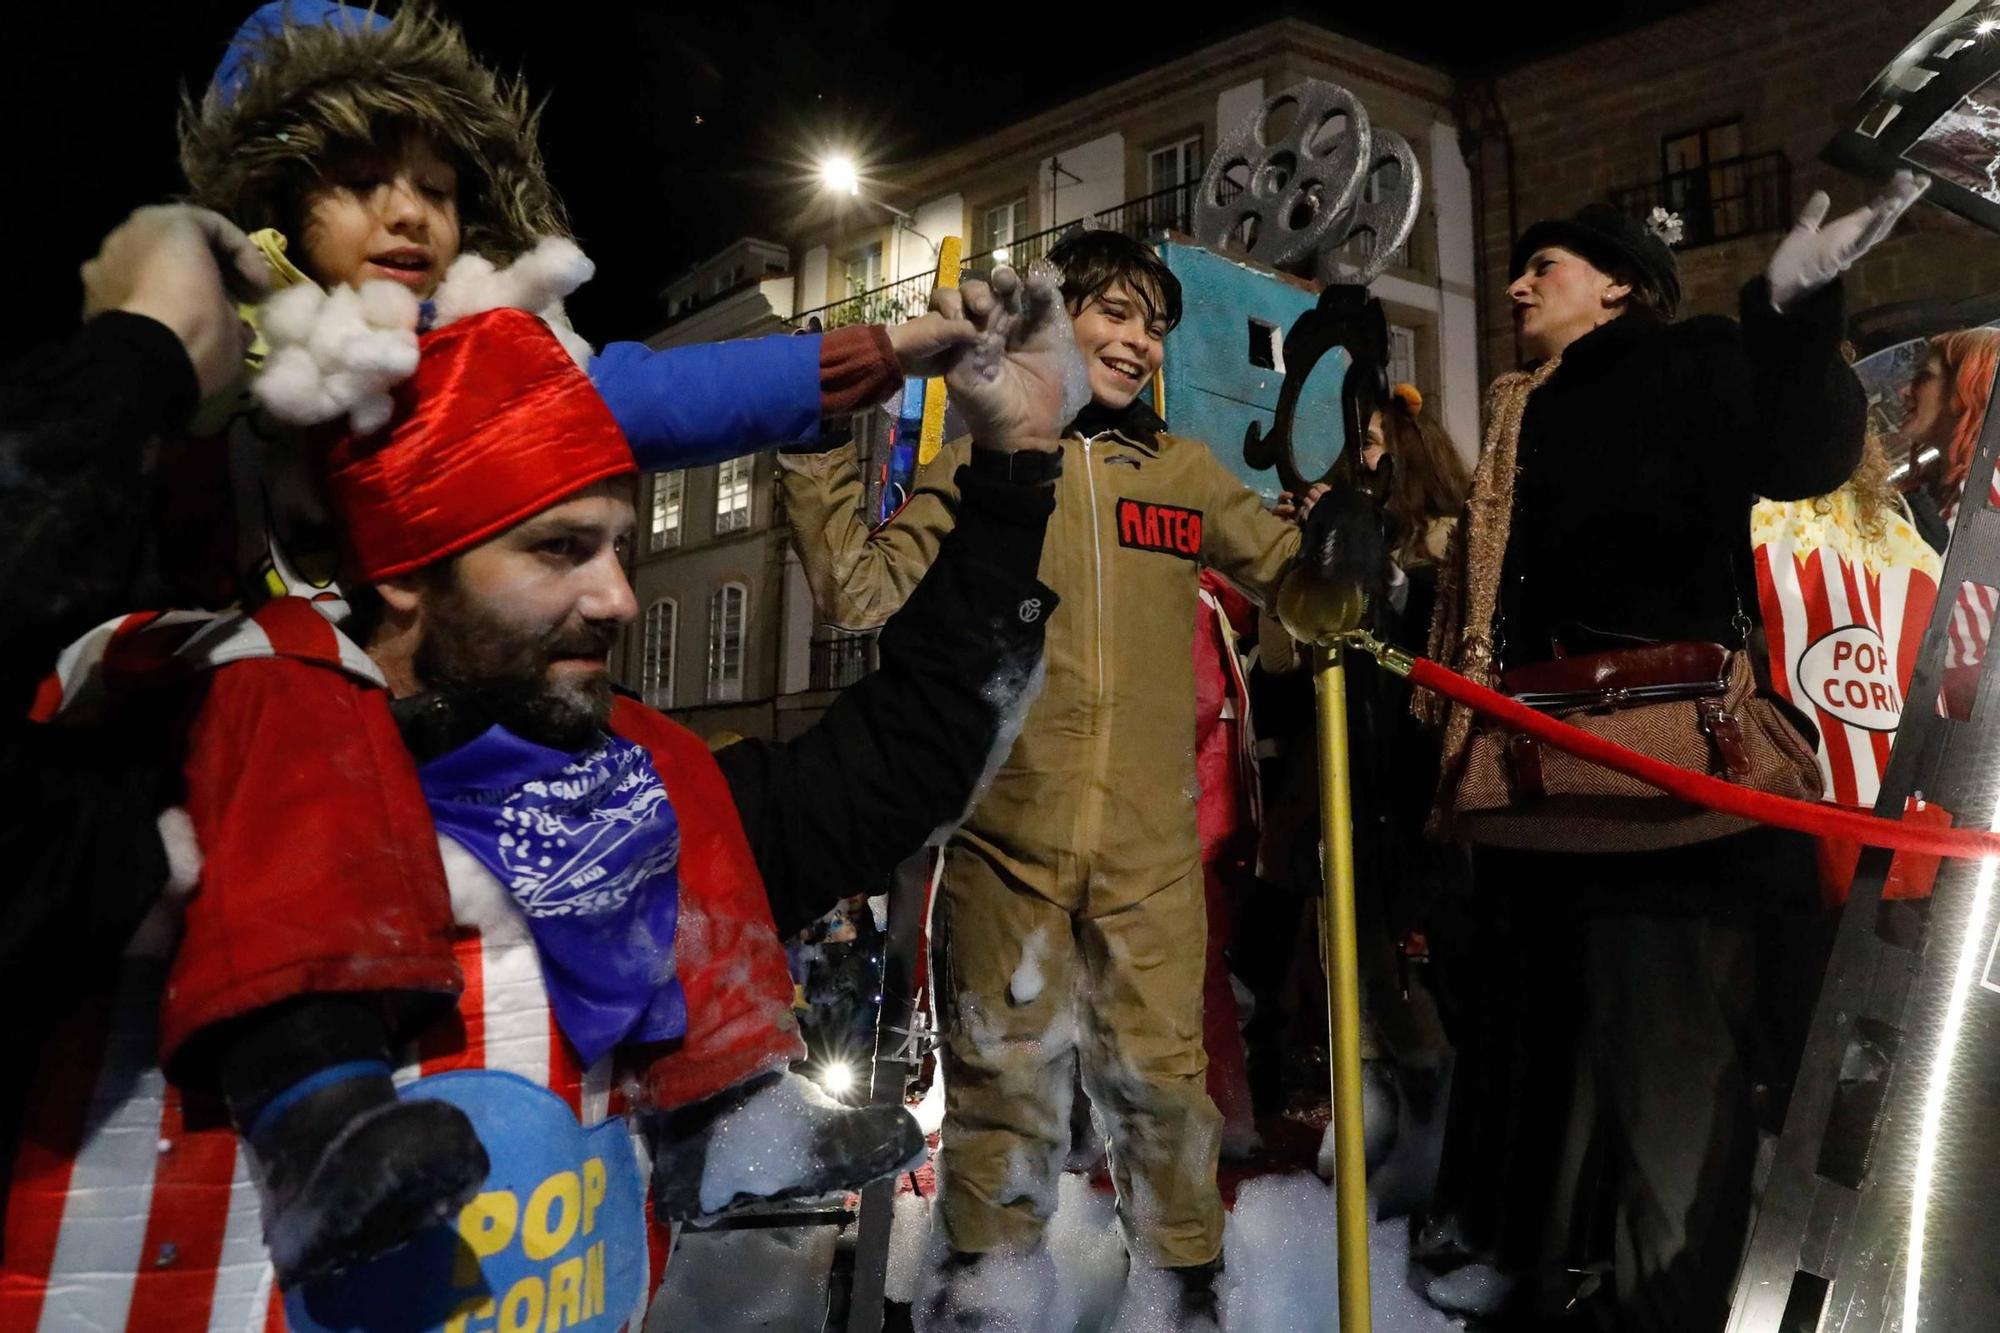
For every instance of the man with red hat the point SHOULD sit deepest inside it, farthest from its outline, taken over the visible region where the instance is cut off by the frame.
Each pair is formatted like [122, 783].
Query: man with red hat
[606, 885]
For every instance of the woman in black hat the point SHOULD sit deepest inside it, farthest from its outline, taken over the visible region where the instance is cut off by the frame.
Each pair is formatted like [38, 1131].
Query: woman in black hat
[1604, 1123]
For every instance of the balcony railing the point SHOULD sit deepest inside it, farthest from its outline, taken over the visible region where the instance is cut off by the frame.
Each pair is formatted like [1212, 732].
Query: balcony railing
[1171, 209]
[840, 661]
[1738, 196]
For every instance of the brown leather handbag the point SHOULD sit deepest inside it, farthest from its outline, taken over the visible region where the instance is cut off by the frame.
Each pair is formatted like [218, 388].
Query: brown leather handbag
[1694, 705]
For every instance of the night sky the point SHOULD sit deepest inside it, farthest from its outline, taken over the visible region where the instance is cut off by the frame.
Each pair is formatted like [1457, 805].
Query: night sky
[670, 130]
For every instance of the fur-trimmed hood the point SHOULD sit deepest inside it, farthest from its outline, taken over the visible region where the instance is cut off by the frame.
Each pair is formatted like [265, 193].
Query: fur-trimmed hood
[302, 89]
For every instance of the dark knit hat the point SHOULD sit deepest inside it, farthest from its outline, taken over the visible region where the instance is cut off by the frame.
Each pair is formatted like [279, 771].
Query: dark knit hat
[1611, 239]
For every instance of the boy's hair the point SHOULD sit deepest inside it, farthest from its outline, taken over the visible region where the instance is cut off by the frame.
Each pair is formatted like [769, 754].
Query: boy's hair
[305, 91]
[1091, 261]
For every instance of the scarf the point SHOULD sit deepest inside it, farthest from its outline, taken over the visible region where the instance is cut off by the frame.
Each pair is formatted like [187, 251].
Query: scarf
[588, 846]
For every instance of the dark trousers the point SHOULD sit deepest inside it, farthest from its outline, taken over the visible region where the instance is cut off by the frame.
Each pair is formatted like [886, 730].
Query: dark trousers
[1602, 1115]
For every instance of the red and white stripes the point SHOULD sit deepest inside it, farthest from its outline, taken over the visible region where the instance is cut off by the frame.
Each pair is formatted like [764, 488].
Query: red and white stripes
[1807, 594]
[133, 1210]
[150, 645]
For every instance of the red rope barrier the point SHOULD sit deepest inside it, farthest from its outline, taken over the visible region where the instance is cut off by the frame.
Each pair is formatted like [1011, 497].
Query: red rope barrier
[1701, 789]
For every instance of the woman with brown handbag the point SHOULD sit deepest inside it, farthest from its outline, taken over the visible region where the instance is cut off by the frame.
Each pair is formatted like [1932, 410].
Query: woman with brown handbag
[1604, 1128]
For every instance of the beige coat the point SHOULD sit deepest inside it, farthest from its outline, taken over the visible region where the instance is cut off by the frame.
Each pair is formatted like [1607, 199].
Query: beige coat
[1095, 806]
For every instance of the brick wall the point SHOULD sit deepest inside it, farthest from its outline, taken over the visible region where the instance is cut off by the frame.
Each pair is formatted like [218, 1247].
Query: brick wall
[1591, 120]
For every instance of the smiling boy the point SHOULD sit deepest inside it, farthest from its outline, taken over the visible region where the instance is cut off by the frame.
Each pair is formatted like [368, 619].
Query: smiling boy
[1080, 859]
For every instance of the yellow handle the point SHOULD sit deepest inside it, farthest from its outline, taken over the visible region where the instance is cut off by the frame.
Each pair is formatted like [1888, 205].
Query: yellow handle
[931, 438]
[1343, 982]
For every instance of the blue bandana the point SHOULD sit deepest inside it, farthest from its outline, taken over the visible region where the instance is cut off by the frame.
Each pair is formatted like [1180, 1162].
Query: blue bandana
[589, 847]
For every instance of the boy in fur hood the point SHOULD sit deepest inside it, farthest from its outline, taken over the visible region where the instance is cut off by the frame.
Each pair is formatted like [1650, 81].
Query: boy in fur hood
[366, 149]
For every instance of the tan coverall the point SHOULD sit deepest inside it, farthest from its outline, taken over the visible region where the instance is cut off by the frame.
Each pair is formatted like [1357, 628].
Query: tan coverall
[1070, 918]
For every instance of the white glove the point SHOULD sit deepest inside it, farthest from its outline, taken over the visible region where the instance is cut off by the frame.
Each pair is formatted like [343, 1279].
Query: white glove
[1021, 378]
[1812, 255]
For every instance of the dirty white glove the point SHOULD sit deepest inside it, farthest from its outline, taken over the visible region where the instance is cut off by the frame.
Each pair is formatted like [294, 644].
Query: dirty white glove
[185, 267]
[1021, 379]
[1814, 255]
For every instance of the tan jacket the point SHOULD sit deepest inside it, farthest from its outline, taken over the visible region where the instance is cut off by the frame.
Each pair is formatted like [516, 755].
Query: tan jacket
[1095, 806]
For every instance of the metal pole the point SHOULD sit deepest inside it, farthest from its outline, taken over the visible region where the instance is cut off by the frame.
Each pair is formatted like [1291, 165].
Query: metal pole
[1343, 980]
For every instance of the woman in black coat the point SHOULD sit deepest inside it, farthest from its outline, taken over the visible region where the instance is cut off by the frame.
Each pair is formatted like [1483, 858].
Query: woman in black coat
[1604, 1123]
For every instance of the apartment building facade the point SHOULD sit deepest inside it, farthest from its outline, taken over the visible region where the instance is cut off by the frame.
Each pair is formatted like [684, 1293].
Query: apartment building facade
[1718, 113]
[727, 640]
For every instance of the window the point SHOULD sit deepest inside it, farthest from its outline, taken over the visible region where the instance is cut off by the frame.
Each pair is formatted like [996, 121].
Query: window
[1267, 345]
[1177, 163]
[1402, 355]
[656, 653]
[726, 623]
[663, 527]
[732, 495]
[1173, 167]
[1703, 177]
[862, 270]
[1003, 224]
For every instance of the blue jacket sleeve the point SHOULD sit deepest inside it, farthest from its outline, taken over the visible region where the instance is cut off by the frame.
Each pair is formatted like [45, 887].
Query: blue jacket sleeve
[686, 406]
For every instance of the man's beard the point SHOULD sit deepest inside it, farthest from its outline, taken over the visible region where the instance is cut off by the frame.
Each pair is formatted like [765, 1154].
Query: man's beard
[500, 672]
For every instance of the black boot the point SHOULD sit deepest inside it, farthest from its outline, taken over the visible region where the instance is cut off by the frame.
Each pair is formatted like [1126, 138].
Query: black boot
[348, 1170]
[1200, 1304]
[774, 1137]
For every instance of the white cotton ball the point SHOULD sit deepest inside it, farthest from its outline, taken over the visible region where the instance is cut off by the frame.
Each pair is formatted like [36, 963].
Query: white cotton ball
[552, 270]
[339, 320]
[578, 347]
[288, 317]
[467, 289]
[381, 356]
[343, 386]
[370, 413]
[556, 267]
[389, 305]
[291, 387]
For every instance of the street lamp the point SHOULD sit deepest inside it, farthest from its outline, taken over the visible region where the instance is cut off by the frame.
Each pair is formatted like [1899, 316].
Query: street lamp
[838, 173]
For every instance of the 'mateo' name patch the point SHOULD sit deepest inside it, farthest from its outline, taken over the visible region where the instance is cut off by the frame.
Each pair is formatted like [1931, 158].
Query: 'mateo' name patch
[1168, 528]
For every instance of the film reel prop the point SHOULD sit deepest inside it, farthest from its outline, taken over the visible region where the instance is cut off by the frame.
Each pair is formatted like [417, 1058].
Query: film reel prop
[1302, 179]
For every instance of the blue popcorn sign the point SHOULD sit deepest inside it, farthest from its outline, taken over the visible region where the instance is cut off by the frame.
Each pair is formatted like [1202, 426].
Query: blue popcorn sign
[555, 1240]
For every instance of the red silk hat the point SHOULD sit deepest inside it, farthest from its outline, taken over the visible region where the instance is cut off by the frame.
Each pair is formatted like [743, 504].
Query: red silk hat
[497, 424]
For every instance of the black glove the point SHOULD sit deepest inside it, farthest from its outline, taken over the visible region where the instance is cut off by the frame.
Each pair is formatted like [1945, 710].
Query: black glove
[1345, 542]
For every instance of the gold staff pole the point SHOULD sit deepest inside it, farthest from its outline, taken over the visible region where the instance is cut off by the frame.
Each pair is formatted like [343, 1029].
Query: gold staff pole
[1343, 983]
[1328, 617]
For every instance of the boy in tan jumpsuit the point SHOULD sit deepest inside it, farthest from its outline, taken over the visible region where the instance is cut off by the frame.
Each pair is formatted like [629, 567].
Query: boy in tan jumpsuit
[1070, 919]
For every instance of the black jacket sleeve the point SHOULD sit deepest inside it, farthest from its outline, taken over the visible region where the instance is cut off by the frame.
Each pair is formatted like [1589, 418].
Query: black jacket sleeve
[1799, 411]
[900, 754]
[77, 501]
